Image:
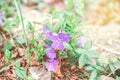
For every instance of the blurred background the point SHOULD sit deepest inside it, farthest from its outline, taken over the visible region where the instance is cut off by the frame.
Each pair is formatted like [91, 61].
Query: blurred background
[101, 19]
[98, 19]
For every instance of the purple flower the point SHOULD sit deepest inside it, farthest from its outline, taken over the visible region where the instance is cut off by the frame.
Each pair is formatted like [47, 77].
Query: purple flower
[75, 6]
[57, 44]
[57, 40]
[82, 42]
[47, 32]
[1, 16]
[51, 54]
[64, 37]
[52, 65]
[80, 20]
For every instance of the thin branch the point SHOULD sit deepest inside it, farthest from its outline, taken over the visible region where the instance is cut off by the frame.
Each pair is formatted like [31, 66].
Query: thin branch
[7, 67]
[109, 50]
[109, 75]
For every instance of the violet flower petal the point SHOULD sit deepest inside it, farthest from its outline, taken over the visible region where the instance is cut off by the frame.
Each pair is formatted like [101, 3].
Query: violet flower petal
[82, 42]
[57, 40]
[80, 20]
[0, 22]
[1, 16]
[64, 37]
[75, 6]
[52, 65]
[47, 32]
[57, 44]
[51, 54]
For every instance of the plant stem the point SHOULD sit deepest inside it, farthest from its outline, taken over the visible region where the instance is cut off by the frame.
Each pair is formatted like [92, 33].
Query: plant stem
[7, 67]
[17, 4]
[21, 20]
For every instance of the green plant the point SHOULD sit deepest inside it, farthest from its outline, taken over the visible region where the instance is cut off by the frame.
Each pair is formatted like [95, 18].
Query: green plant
[7, 46]
[1, 39]
[66, 41]
[8, 55]
[8, 9]
[20, 72]
[17, 4]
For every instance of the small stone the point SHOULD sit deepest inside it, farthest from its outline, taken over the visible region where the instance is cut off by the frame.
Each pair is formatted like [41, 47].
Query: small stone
[103, 77]
[40, 73]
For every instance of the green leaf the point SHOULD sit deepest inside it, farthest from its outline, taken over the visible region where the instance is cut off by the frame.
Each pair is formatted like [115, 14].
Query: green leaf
[77, 29]
[89, 68]
[112, 68]
[100, 68]
[67, 45]
[30, 27]
[70, 5]
[80, 50]
[74, 42]
[94, 75]
[1, 39]
[82, 60]
[103, 60]
[117, 64]
[88, 45]
[8, 55]
[62, 25]
[20, 72]
[18, 64]
[68, 28]
[63, 55]
[46, 50]
[92, 54]
[117, 78]
[48, 42]
[34, 42]
[20, 40]
[7, 46]
[52, 10]
[29, 77]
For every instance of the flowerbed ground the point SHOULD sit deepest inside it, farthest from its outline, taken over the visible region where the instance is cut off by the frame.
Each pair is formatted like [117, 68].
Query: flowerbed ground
[105, 39]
